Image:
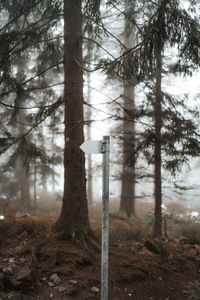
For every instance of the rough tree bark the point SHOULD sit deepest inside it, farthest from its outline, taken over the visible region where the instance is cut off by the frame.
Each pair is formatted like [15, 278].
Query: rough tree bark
[73, 222]
[127, 201]
[88, 118]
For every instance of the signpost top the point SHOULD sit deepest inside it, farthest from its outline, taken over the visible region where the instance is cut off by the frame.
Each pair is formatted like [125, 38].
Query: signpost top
[90, 147]
[95, 146]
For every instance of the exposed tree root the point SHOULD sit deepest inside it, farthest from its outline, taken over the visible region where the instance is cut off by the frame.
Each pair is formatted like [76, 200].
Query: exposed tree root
[83, 237]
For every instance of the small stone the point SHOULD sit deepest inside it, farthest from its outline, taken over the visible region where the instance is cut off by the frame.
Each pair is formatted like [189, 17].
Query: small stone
[44, 278]
[55, 279]
[24, 273]
[22, 260]
[11, 260]
[61, 288]
[51, 295]
[8, 271]
[95, 289]
[51, 284]
[73, 282]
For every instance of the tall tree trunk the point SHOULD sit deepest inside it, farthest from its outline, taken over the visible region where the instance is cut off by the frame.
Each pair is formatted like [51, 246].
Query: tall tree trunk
[89, 165]
[157, 149]
[88, 118]
[73, 221]
[22, 164]
[127, 201]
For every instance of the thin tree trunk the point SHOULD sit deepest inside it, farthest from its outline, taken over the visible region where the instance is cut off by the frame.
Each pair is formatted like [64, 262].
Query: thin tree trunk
[157, 150]
[43, 165]
[23, 159]
[24, 184]
[127, 201]
[53, 173]
[23, 164]
[73, 221]
[35, 184]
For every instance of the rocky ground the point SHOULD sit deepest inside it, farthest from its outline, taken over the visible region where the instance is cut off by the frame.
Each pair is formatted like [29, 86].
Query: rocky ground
[35, 264]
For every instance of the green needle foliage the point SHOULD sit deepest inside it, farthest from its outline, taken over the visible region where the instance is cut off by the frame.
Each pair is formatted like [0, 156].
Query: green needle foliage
[170, 25]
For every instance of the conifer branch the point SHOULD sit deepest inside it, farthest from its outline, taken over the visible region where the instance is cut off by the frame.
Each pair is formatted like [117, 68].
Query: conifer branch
[13, 90]
[46, 114]
[19, 16]
[99, 45]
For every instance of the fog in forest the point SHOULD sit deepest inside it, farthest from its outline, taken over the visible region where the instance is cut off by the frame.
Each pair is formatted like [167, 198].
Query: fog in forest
[105, 118]
[180, 193]
[99, 149]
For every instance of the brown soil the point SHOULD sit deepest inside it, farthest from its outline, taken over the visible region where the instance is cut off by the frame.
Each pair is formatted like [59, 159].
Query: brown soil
[139, 267]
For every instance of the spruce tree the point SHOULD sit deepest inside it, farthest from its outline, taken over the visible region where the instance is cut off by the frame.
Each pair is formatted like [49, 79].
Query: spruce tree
[169, 26]
[127, 200]
[26, 26]
[73, 222]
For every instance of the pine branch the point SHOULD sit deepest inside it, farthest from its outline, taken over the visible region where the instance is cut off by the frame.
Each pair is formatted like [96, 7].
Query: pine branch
[99, 45]
[13, 90]
[46, 113]
[109, 33]
[20, 15]
[127, 17]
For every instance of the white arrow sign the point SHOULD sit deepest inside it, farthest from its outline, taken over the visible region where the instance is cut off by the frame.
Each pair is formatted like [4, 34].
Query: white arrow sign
[94, 147]
[90, 147]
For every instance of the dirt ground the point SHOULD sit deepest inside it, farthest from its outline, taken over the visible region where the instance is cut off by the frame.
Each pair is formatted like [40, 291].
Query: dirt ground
[35, 264]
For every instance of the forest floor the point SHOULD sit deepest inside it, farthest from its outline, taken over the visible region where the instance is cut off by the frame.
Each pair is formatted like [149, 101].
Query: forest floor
[35, 264]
